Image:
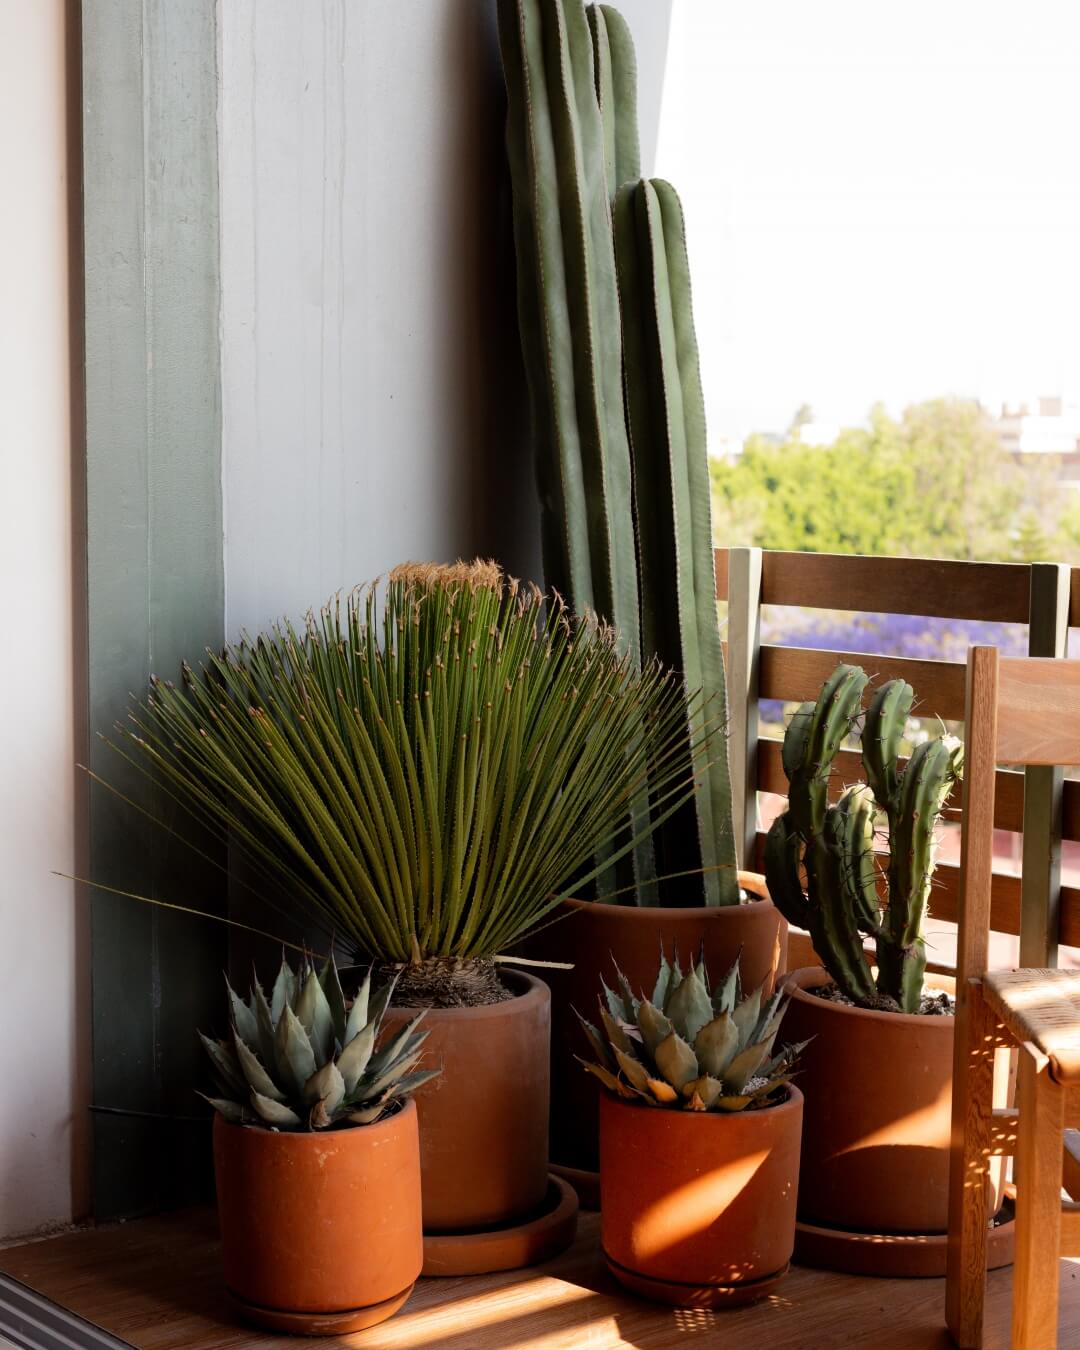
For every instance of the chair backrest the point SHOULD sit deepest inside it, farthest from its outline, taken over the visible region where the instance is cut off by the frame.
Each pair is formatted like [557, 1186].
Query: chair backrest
[1018, 711]
[1038, 702]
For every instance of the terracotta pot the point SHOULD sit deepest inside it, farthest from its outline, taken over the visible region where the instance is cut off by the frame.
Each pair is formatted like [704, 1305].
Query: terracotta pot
[878, 1088]
[596, 937]
[697, 1208]
[484, 1120]
[320, 1232]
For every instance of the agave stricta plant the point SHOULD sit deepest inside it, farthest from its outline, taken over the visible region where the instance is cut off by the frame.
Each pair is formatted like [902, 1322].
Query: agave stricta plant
[689, 1048]
[424, 770]
[300, 1060]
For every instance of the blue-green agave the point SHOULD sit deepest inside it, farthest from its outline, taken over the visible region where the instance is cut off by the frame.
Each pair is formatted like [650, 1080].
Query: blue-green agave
[302, 1060]
[689, 1049]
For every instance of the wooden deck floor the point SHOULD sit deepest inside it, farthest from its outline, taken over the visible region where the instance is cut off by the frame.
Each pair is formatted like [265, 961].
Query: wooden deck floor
[156, 1284]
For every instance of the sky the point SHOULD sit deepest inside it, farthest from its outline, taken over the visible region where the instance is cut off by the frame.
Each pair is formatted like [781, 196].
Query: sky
[882, 201]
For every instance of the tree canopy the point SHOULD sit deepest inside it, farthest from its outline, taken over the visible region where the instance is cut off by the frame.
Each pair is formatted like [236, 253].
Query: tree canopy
[934, 482]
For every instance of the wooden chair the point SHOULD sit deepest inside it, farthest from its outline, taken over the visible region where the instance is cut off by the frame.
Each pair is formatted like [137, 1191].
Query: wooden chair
[1018, 711]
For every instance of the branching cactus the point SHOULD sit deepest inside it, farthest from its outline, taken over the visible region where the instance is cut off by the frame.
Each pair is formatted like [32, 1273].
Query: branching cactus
[820, 859]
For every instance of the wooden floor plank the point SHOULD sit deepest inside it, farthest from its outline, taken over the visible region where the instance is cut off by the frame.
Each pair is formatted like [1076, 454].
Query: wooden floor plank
[156, 1283]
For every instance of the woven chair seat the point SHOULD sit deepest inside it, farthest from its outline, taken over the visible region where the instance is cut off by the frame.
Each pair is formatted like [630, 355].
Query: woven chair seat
[1043, 1007]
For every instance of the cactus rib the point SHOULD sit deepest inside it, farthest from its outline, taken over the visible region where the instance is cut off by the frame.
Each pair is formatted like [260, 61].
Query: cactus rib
[666, 409]
[616, 93]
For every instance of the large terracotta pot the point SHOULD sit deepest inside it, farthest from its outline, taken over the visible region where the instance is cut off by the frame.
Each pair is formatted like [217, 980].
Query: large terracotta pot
[595, 938]
[484, 1120]
[698, 1209]
[878, 1089]
[320, 1232]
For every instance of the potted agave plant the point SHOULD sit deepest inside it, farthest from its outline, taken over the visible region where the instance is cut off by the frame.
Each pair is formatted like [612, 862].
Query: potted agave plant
[878, 1069]
[699, 1137]
[316, 1154]
[623, 472]
[423, 771]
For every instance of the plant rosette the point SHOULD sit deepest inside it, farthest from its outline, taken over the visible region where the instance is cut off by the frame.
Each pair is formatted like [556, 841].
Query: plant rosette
[593, 935]
[317, 1154]
[699, 1137]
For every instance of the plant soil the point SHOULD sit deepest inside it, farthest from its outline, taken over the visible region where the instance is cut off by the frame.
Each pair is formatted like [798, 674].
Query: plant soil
[936, 1004]
[446, 982]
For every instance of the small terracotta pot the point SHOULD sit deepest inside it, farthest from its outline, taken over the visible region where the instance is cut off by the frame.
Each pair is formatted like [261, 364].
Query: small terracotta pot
[484, 1120]
[320, 1232]
[596, 937]
[698, 1209]
[878, 1088]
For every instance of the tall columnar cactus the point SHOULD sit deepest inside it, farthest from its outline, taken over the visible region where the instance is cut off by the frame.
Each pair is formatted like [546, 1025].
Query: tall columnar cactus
[666, 410]
[640, 555]
[568, 302]
[833, 846]
[615, 69]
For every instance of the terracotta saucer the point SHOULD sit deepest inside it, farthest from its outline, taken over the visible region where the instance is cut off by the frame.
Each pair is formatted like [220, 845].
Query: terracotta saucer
[319, 1323]
[521, 1244]
[895, 1255]
[695, 1295]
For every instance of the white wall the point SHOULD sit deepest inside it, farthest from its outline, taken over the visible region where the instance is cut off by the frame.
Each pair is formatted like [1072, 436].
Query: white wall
[364, 335]
[43, 1119]
[373, 404]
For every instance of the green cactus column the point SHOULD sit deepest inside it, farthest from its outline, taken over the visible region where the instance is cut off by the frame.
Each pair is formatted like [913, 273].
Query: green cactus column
[569, 308]
[666, 408]
[616, 93]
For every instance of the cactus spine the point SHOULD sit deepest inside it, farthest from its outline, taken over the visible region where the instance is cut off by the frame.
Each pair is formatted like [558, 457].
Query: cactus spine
[834, 845]
[641, 556]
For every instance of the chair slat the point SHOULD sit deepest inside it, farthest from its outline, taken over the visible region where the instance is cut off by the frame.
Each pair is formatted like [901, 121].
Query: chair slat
[1008, 801]
[995, 592]
[1038, 711]
[795, 674]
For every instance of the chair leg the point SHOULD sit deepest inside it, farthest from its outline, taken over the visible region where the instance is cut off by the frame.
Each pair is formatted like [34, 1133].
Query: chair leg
[972, 1112]
[1038, 1210]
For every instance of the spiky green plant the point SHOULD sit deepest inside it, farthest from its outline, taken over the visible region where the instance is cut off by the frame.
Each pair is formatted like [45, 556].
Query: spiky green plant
[427, 768]
[610, 353]
[301, 1060]
[689, 1048]
[833, 847]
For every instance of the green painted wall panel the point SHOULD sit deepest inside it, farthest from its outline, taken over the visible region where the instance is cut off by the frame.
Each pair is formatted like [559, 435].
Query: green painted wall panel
[154, 559]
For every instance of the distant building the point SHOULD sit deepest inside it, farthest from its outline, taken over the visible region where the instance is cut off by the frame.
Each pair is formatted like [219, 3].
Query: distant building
[1043, 426]
[818, 433]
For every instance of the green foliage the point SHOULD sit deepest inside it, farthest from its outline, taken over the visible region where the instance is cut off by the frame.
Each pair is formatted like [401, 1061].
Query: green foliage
[934, 483]
[833, 846]
[690, 1048]
[423, 771]
[631, 545]
[300, 1060]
